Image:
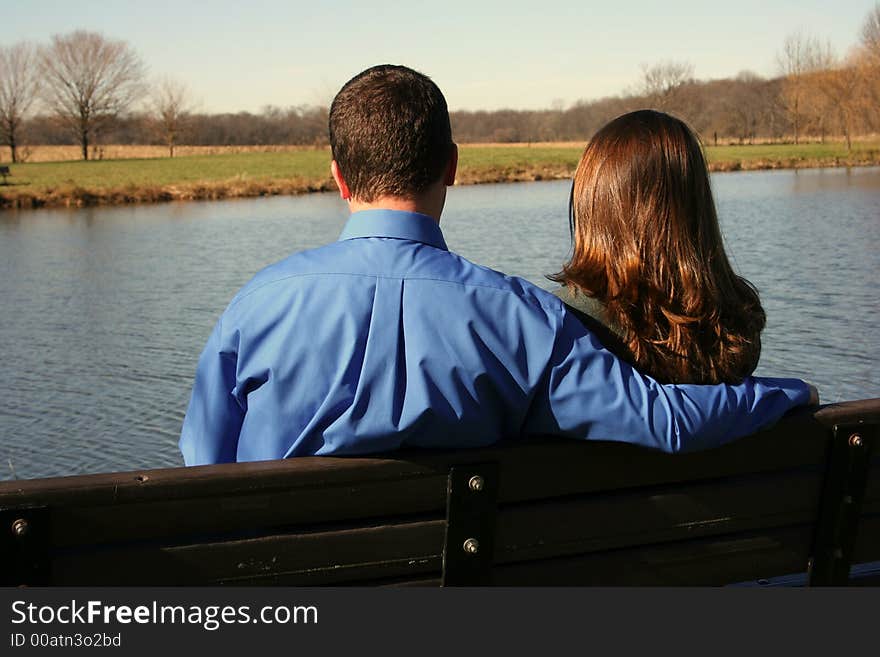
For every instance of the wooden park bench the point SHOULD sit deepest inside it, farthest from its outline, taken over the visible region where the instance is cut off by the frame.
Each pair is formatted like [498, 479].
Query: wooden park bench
[796, 504]
[4, 171]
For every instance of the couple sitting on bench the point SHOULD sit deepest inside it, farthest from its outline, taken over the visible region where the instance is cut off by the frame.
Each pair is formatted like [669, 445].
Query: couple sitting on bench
[386, 339]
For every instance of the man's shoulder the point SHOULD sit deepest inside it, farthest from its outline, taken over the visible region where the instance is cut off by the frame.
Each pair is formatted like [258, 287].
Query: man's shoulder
[301, 264]
[472, 274]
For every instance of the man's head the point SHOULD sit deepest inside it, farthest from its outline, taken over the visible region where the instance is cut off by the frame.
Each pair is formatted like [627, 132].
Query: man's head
[390, 135]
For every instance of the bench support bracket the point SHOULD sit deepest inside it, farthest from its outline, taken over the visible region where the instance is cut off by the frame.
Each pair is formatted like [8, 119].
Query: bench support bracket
[24, 540]
[834, 537]
[470, 524]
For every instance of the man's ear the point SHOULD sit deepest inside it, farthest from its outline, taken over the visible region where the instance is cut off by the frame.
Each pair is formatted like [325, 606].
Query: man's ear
[449, 178]
[340, 181]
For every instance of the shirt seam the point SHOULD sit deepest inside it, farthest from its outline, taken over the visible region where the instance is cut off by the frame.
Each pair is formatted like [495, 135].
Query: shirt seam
[439, 246]
[526, 299]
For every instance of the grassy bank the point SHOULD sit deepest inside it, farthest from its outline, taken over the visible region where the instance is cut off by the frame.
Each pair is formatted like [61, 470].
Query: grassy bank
[245, 172]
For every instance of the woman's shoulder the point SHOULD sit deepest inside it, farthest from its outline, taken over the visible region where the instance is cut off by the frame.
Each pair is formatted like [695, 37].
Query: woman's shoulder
[592, 314]
[582, 303]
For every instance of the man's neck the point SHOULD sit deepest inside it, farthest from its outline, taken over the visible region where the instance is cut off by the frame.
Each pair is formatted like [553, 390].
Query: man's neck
[428, 206]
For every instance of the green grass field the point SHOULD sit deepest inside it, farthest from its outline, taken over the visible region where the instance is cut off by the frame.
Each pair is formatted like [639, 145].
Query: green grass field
[259, 173]
[168, 171]
[783, 152]
[479, 157]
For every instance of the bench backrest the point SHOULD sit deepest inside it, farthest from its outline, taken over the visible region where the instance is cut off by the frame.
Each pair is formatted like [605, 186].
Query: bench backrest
[538, 513]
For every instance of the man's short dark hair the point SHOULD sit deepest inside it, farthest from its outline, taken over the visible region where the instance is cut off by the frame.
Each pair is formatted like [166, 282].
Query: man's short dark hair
[390, 133]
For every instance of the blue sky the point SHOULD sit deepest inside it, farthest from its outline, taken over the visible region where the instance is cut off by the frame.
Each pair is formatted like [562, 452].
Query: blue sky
[241, 55]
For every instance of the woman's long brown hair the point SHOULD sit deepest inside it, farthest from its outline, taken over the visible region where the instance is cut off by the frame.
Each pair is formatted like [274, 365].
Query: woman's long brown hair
[646, 243]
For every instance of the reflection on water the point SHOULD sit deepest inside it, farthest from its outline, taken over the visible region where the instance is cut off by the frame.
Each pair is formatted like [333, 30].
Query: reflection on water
[105, 310]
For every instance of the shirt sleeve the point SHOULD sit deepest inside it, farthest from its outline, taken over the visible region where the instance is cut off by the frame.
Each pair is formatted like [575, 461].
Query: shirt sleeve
[592, 394]
[214, 416]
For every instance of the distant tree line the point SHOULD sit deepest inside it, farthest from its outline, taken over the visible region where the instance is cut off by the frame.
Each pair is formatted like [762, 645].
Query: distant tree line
[293, 125]
[740, 109]
[85, 89]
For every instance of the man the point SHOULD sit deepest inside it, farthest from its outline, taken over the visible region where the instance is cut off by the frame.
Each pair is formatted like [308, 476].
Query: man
[386, 339]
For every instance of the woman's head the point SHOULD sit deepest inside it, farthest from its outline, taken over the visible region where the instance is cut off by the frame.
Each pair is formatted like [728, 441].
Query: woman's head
[647, 243]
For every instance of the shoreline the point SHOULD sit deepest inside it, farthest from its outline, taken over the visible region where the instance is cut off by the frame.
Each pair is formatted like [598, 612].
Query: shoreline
[74, 195]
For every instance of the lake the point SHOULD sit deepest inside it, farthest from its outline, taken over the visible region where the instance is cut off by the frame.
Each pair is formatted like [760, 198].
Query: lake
[105, 310]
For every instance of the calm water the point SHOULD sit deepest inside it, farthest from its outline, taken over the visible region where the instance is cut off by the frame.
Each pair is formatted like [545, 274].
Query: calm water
[104, 311]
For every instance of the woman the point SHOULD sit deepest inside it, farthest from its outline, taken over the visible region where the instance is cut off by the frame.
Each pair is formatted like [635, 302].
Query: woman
[648, 271]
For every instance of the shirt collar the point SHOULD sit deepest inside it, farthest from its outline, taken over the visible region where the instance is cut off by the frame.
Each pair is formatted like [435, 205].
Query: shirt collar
[397, 224]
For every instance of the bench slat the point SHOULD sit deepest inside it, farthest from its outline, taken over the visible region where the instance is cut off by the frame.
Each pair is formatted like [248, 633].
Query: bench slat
[657, 515]
[159, 519]
[320, 557]
[706, 562]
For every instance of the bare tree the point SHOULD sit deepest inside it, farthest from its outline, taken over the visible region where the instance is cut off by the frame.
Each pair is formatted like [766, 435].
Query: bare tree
[869, 64]
[19, 85]
[871, 32]
[744, 104]
[172, 107]
[663, 82]
[89, 81]
[800, 57]
[841, 86]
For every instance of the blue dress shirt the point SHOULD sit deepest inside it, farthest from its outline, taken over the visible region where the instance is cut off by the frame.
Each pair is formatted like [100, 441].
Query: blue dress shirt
[385, 339]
